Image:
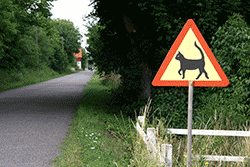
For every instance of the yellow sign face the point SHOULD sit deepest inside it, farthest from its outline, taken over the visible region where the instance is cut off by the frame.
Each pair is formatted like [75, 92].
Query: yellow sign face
[190, 59]
[189, 51]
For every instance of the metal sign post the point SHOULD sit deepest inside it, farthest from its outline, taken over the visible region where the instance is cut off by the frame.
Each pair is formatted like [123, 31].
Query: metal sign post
[190, 109]
[169, 73]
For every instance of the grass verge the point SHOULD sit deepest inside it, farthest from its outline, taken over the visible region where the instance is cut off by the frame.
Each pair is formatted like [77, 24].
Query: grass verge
[11, 79]
[201, 145]
[98, 136]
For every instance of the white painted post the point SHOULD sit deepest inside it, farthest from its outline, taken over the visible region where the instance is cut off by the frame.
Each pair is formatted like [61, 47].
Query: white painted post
[166, 154]
[152, 142]
[166, 149]
[209, 132]
[141, 119]
[79, 64]
[190, 108]
[141, 132]
[213, 133]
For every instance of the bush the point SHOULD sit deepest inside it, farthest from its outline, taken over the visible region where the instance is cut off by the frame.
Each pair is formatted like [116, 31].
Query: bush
[84, 59]
[74, 64]
[60, 62]
[172, 103]
[231, 49]
[121, 99]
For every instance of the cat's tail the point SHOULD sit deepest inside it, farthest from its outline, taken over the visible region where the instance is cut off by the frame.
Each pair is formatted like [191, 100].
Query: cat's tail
[202, 55]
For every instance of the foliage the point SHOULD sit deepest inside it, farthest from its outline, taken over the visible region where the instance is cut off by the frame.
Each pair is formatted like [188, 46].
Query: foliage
[27, 13]
[74, 64]
[16, 18]
[53, 41]
[47, 43]
[8, 29]
[109, 134]
[71, 37]
[231, 46]
[84, 58]
[231, 49]
[6, 24]
[30, 50]
[172, 103]
[18, 23]
[95, 45]
[166, 19]
[120, 50]
[60, 62]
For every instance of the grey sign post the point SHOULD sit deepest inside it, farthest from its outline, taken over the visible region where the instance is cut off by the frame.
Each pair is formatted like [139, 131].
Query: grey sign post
[190, 109]
[165, 77]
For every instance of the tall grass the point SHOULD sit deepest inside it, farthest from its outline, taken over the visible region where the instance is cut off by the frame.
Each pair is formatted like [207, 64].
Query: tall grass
[101, 136]
[201, 145]
[106, 139]
[11, 79]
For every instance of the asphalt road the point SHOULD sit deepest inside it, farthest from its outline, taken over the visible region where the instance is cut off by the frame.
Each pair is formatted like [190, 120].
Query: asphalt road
[34, 119]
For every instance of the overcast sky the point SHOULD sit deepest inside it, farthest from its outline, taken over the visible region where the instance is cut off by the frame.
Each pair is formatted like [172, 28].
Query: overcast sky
[73, 10]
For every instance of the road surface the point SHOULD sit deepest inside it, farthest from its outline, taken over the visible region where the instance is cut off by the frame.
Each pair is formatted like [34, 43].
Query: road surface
[34, 119]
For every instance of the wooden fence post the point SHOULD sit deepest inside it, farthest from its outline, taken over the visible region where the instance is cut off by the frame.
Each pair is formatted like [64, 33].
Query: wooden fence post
[152, 142]
[166, 154]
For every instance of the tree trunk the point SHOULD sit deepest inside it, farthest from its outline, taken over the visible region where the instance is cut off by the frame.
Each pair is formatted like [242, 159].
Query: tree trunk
[145, 81]
[144, 67]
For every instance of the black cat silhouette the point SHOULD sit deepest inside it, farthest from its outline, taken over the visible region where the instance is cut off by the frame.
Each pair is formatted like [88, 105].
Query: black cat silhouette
[187, 64]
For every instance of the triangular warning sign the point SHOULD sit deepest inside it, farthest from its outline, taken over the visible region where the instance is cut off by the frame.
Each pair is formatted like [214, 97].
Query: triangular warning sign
[190, 59]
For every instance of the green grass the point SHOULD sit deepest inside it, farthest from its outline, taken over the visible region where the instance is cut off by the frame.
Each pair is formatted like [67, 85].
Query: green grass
[16, 79]
[106, 139]
[93, 137]
[98, 137]
[101, 136]
[201, 145]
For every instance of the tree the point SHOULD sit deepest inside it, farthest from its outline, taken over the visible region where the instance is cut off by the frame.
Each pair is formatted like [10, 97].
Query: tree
[60, 62]
[43, 48]
[71, 37]
[232, 40]
[30, 50]
[17, 16]
[6, 25]
[51, 44]
[95, 44]
[84, 58]
[7, 28]
[138, 34]
[27, 12]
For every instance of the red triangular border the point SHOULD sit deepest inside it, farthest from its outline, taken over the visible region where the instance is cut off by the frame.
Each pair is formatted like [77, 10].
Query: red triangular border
[190, 24]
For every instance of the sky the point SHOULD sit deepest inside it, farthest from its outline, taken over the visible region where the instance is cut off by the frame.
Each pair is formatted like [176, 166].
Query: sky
[73, 10]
